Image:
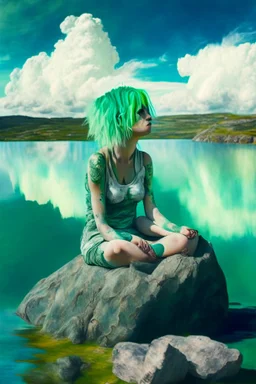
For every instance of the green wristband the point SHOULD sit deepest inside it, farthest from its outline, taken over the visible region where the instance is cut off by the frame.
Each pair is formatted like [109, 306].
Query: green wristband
[126, 236]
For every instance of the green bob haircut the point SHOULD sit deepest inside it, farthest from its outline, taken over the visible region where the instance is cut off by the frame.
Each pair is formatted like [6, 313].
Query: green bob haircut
[111, 116]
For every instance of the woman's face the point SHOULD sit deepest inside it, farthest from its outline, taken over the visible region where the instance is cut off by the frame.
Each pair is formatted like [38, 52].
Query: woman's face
[143, 126]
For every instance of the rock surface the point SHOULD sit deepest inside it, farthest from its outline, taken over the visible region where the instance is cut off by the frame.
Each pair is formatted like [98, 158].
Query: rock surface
[207, 359]
[231, 139]
[178, 295]
[163, 364]
[128, 359]
[68, 368]
[168, 360]
[212, 134]
[155, 363]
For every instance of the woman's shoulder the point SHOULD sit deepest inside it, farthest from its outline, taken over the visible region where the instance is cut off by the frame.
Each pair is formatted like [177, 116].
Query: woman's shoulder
[99, 155]
[103, 152]
[146, 158]
[97, 160]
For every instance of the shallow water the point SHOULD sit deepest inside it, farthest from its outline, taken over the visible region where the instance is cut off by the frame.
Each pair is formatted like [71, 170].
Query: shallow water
[14, 353]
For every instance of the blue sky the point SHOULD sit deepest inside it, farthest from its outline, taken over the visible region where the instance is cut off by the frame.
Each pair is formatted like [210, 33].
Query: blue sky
[155, 34]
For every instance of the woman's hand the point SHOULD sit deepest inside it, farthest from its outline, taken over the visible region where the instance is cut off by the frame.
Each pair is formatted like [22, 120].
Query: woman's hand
[144, 246]
[188, 232]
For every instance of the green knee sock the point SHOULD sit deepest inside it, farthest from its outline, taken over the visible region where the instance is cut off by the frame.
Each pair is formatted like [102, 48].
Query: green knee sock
[159, 249]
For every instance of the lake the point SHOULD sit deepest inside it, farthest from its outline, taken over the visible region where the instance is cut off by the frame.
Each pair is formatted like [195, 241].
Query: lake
[207, 186]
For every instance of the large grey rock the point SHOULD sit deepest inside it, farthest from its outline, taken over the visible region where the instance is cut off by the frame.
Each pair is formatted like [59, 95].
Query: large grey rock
[207, 359]
[179, 295]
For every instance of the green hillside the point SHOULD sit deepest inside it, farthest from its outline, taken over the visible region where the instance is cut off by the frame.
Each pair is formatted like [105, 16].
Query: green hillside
[215, 127]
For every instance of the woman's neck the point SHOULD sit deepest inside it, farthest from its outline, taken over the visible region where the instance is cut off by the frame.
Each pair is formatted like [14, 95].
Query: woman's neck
[124, 154]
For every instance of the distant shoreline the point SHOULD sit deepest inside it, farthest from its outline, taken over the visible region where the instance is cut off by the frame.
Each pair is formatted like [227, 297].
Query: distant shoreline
[215, 127]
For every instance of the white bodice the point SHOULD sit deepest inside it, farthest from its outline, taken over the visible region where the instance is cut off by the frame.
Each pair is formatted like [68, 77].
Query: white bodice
[135, 190]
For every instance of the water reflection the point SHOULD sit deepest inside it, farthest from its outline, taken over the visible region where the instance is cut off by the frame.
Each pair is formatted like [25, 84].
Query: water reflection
[208, 186]
[47, 172]
[214, 183]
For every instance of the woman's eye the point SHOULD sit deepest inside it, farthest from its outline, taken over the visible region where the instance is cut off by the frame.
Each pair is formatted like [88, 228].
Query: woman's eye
[141, 111]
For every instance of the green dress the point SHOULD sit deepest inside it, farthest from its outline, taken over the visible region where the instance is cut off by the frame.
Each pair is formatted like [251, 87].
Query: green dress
[120, 204]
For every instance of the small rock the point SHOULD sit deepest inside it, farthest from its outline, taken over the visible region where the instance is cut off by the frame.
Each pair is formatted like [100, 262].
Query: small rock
[207, 359]
[68, 368]
[128, 360]
[169, 358]
[163, 364]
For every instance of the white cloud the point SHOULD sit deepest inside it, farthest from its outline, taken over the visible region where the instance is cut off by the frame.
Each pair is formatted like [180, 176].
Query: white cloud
[5, 58]
[221, 77]
[82, 66]
[61, 83]
[237, 36]
[163, 58]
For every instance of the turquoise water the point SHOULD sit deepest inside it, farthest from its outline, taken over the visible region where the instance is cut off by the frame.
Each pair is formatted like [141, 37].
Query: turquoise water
[13, 349]
[210, 187]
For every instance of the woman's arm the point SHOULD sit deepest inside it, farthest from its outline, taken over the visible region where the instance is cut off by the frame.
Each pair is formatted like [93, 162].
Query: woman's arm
[96, 181]
[151, 210]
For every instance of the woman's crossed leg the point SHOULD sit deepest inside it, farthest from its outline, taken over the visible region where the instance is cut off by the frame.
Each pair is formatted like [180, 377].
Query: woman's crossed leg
[122, 252]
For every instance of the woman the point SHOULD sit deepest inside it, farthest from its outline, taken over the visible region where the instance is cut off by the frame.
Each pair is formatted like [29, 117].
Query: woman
[118, 177]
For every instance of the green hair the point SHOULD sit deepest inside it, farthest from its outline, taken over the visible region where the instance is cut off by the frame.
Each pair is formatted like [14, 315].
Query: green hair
[111, 116]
